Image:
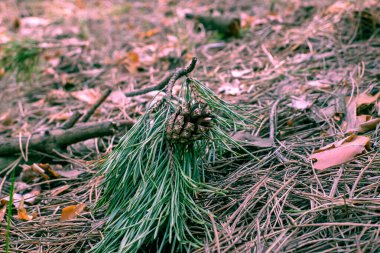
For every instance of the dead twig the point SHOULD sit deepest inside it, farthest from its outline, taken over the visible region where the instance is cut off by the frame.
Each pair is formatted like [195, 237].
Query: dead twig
[100, 101]
[168, 81]
[72, 120]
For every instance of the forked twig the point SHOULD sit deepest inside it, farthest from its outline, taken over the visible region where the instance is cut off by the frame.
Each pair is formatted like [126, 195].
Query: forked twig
[168, 81]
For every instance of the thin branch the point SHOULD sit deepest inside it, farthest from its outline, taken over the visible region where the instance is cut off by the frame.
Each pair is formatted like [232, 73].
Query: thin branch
[103, 98]
[71, 121]
[168, 81]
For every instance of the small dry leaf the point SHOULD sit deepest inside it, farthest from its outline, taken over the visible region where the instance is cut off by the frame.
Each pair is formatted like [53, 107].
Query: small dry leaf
[365, 99]
[37, 169]
[60, 116]
[89, 96]
[59, 190]
[6, 119]
[70, 173]
[300, 103]
[71, 212]
[149, 33]
[339, 152]
[355, 122]
[318, 84]
[21, 211]
[30, 197]
[241, 73]
[3, 210]
[2, 72]
[49, 170]
[16, 200]
[369, 124]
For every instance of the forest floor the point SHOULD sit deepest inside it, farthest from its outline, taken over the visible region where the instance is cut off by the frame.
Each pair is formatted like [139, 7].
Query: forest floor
[309, 70]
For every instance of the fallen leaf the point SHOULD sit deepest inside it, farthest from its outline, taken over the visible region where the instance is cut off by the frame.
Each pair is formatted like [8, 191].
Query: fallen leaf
[354, 121]
[365, 99]
[369, 124]
[30, 197]
[21, 211]
[16, 199]
[49, 170]
[2, 72]
[36, 168]
[339, 152]
[149, 33]
[70, 173]
[300, 103]
[71, 212]
[60, 116]
[2, 212]
[89, 96]
[6, 119]
[59, 190]
[240, 73]
[318, 84]
[34, 21]
[232, 89]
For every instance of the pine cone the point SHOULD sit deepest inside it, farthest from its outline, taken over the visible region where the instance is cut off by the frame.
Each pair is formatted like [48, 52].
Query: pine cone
[189, 122]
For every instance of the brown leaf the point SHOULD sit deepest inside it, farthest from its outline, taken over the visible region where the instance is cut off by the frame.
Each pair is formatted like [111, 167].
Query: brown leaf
[339, 152]
[354, 121]
[30, 197]
[71, 212]
[6, 119]
[36, 168]
[70, 173]
[149, 33]
[369, 125]
[3, 210]
[89, 96]
[21, 211]
[49, 170]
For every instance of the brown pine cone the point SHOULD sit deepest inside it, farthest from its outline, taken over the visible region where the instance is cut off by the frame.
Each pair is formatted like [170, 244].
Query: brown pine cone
[189, 122]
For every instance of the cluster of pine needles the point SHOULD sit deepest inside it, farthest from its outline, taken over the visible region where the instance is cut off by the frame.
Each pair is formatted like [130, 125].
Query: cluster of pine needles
[20, 57]
[151, 185]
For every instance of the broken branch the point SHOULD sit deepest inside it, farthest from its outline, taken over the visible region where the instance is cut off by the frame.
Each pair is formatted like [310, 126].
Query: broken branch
[60, 138]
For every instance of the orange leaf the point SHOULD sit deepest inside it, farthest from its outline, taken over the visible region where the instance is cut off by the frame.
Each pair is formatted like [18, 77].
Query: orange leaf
[149, 33]
[39, 171]
[339, 152]
[21, 211]
[49, 170]
[71, 212]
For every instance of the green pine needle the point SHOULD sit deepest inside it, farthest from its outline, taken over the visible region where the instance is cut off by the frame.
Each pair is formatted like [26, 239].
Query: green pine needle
[20, 57]
[150, 185]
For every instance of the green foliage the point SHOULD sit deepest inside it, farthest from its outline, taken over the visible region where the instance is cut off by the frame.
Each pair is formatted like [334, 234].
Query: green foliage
[150, 185]
[21, 58]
